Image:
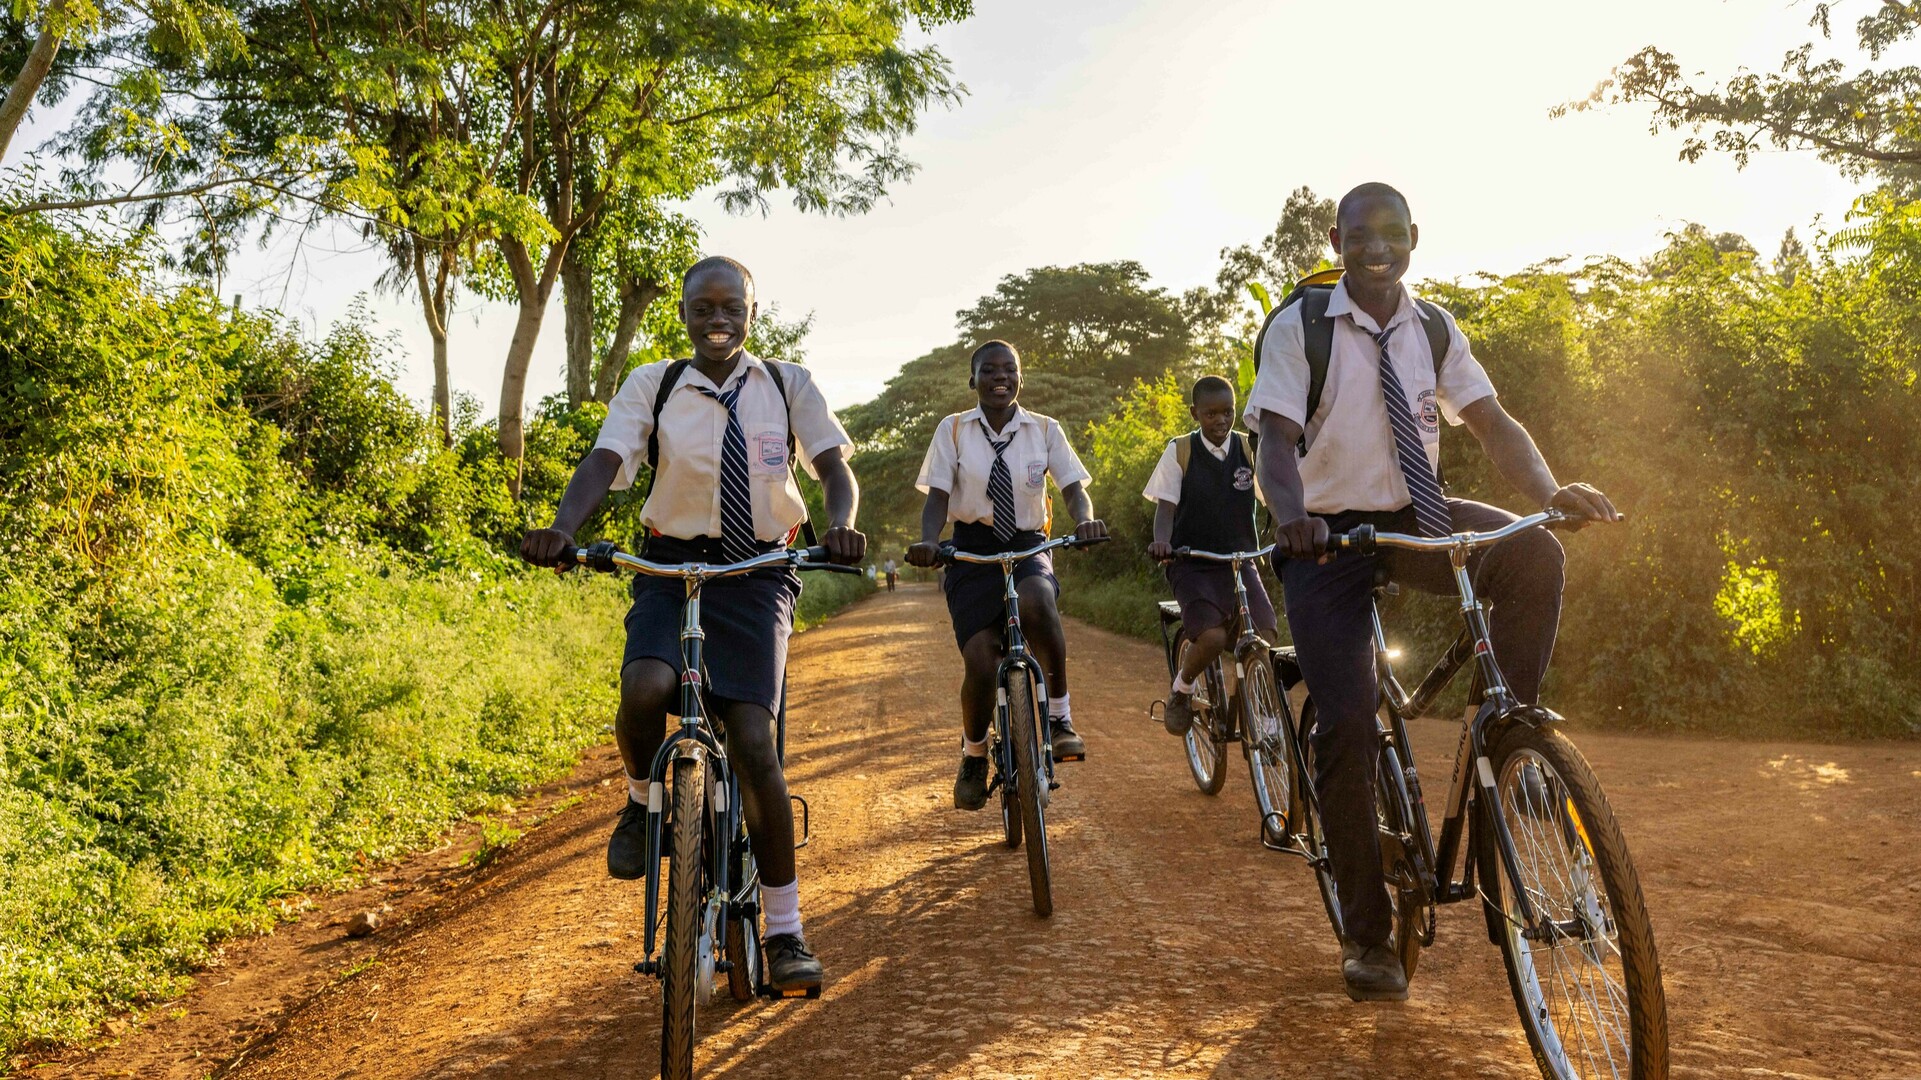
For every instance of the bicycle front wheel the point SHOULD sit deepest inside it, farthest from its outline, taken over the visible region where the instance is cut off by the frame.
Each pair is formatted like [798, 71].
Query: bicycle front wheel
[1029, 788]
[1205, 740]
[1266, 734]
[1584, 975]
[1309, 818]
[680, 965]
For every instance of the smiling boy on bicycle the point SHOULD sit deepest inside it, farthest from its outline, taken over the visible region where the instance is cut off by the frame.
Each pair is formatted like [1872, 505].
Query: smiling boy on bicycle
[717, 430]
[1368, 454]
[1203, 491]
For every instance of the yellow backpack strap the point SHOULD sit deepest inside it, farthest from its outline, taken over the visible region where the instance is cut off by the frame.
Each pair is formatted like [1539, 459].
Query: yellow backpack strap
[954, 429]
[1047, 501]
[1184, 451]
[1247, 447]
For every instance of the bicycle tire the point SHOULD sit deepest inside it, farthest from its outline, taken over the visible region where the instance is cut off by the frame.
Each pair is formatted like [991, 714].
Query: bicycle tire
[681, 960]
[1010, 808]
[1554, 807]
[1392, 809]
[743, 953]
[1206, 750]
[1264, 736]
[1311, 832]
[1030, 779]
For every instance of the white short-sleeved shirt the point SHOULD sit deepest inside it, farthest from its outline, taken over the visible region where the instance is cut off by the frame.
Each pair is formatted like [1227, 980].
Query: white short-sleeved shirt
[1165, 484]
[1351, 463]
[1039, 449]
[685, 499]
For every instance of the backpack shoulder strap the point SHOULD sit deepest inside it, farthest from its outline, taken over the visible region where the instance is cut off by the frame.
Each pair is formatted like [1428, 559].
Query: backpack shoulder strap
[787, 408]
[1247, 445]
[1184, 450]
[1317, 342]
[668, 380]
[1435, 324]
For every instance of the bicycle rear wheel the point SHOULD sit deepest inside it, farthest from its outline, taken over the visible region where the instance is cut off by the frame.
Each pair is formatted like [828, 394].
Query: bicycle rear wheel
[1029, 785]
[1585, 978]
[686, 884]
[1309, 819]
[1206, 740]
[1265, 735]
[743, 952]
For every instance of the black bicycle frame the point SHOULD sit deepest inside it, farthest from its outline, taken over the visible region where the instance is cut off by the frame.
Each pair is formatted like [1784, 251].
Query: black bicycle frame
[1009, 669]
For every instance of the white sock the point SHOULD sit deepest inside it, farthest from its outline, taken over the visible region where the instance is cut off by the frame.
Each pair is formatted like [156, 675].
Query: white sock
[637, 790]
[781, 906]
[1182, 686]
[973, 749]
[1058, 708]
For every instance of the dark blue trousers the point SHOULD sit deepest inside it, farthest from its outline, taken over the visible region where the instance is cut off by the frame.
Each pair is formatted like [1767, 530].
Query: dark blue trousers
[1327, 613]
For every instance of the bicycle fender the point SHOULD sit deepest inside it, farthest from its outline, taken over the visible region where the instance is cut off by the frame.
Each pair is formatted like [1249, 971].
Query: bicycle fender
[1286, 666]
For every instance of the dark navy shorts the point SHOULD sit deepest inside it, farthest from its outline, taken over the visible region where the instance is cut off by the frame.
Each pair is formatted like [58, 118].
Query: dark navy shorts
[1205, 591]
[747, 620]
[976, 598]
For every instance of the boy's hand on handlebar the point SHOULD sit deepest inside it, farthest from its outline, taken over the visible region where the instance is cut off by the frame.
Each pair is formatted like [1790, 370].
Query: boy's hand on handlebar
[924, 554]
[1160, 551]
[1303, 538]
[1091, 530]
[845, 544]
[547, 547]
[1586, 504]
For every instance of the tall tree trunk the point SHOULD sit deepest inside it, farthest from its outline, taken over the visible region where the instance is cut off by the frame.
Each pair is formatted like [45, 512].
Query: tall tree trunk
[577, 297]
[435, 297]
[635, 298]
[535, 289]
[34, 72]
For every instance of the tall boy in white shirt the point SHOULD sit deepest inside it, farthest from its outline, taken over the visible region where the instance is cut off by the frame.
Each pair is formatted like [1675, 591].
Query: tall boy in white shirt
[1369, 456]
[723, 491]
[993, 514]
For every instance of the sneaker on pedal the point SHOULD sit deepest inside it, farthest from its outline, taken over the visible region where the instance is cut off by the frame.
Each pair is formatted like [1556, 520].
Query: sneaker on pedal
[1179, 715]
[627, 848]
[970, 786]
[1067, 744]
[790, 966]
[1373, 973]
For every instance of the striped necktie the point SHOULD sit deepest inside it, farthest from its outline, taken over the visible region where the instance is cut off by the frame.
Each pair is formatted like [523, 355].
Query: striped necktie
[737, 540]
[1000, 489]
[1430, 509]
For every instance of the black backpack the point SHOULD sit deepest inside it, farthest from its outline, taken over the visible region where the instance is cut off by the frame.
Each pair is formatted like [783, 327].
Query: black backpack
[671, 378]
[1317, 332]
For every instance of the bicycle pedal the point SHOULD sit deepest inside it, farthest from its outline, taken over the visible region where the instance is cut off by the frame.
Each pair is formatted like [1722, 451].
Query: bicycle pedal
[809, 993]
[1053, 785]
[1069, 757]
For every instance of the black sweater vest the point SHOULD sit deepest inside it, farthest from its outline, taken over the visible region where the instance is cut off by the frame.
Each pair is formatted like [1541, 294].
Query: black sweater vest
[1216, 511]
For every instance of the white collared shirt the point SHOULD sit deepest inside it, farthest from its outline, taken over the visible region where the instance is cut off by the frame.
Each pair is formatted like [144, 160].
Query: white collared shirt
[685, 499]
[1039, 449]
[1351, 463]
[1165, 484]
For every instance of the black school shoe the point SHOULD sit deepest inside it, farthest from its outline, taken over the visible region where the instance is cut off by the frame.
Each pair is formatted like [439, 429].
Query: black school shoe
[1068, 745]
[790, 966]
[1179, 714]
[627, 848]
[970, 785]
[1373, 973]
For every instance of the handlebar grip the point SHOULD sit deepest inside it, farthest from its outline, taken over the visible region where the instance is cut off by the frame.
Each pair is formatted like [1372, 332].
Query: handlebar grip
[1089, 542]
[598, 556]
[1359, 540]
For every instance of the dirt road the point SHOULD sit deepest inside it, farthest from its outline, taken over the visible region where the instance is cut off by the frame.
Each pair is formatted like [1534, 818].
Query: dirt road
[1784, 881]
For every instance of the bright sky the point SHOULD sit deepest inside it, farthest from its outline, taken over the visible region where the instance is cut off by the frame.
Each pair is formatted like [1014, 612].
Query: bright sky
[1163, 131]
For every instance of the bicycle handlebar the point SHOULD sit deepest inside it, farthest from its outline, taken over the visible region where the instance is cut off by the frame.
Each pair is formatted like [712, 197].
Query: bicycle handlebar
[951, 554]
[1363, 539]
[606, 558]
[1215, 556]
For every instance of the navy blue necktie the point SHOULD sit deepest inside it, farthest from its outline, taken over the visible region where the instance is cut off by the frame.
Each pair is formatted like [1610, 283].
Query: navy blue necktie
[737, 540]
[1000, 489]
[1430, 509]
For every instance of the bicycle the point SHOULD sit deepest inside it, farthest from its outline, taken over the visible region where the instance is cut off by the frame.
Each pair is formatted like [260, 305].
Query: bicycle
[1023, 761]
[1248, 709]
[1515, 776]
[713, 900]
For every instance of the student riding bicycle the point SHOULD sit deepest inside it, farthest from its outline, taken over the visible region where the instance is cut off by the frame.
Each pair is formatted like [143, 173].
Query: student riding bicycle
[1368, 454]
[1203, 491]
[718, 430]
[986, 471]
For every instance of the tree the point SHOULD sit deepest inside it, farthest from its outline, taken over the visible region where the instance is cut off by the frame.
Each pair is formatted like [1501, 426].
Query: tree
[1867, 123]
[1297, 247]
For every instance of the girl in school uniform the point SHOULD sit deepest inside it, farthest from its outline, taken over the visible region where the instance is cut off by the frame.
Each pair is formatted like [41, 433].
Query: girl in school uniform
[1208, 505]
[986, 472]
[723, 492]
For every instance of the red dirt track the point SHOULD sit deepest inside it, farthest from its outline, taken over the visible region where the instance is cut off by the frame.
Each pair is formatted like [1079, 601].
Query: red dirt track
[1784, 880]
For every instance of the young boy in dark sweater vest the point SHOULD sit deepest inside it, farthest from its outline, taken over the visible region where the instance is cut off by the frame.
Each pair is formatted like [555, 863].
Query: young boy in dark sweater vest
[1204, 495]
